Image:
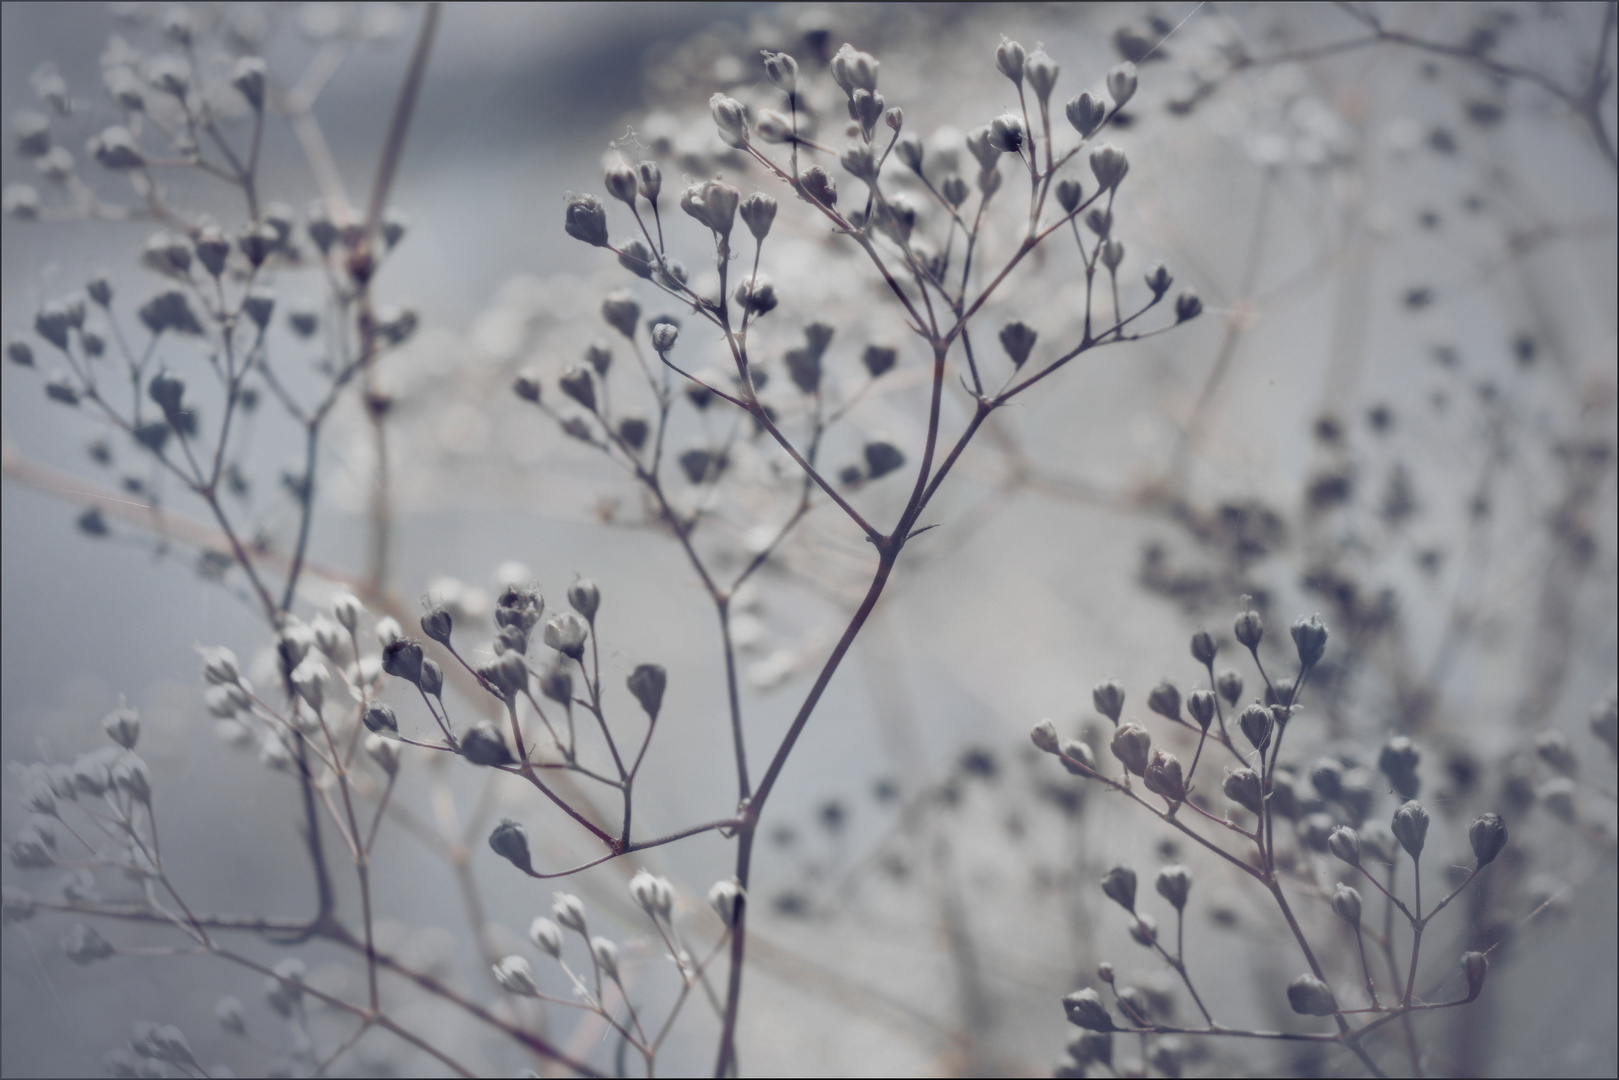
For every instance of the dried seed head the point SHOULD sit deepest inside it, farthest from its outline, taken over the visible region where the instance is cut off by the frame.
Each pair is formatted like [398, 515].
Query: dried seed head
[1006, 133]
[1077, 757]
[219, 666]
[586, 220]
[402, 658]
[909, 149]
[731, 118]
[1398, 761]
[1202, 705]
[1044, 736]
[1175, 884]
[654, 894]
[1018, 339]
[664, 336]
[1108, 165]
[1041, 71]
[249, 76]
[1309, 996]
[1112, 253]
[432, 681]
[782, 71]
[1108, 698]
[1488, 835]
[384, 752]
[379, 719]
[1410, 827]
[437, 624]
[1009, 59]
[650, 179]
[1346, 904]
[621, 183]
[1344, 842]
[854, 70]
[1119, 885]
[577, 384]
[510, 842]
[758, 212]
[1242, 786]
[1203, 648]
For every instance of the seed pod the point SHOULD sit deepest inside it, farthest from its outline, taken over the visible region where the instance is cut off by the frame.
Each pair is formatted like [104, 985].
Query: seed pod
[384, 752]
[1309, 996]
[1132, 745]
[1108, 698]
[586, 220]
[1175, 884]
[816, 183]
[1159, 280]
[1410, 827]
[1119, 885]
[1203, 648]
[1346, 904]
[402, 658]
[1009, 58]
[379, 719]
[1398, 761]
[1006, 133]
[1256, 724]
[1488, 835]
[510, 842]
[1092, 1046]
[731, 118]
[664, 336]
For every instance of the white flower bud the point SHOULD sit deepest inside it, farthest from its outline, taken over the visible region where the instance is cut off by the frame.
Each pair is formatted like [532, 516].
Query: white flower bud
[1044, 736]
[1009, 59]
[723, 897]
[219, 666]
[1108, 165]
[782, 71]
[515, 976]
[546, 936]
[773, 127]
[1121, 84]
[605, 953]
[569, 911]
[384, 752]
[1041, 71]
[731, 118]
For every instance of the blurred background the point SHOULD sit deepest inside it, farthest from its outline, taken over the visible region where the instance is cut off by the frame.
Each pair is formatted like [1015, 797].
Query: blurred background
[1397, 411]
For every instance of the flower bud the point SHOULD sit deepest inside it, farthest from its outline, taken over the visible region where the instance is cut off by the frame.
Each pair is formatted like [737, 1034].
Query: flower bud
[654, 895]
[1018, 339]
[782, 71]
[546, 936]
[1108, 698]
[123, 726]
[865, 107]
[402, 658]
[114, 148]
[1410, 827]
[1188, 306]
[1086, 114]
[566, 633]
[1165, 700]
[1085, 1009]
[621, 183]
[1488, 835]
[1242, 786]
[1175, 884]
[1044, 736]
[577, 384]
[1202, 705]
[515, 976]
[432, 681]
[1310, 638]
[854, 70]
[1344, 842]
[664, 336]
[1249, 628]
[1112, 253]
[1069, 194]
[308, 678]
[1203, 648]
[1119, 885]
[384, 752]
[1132, 746]
[585, 598]
[954, 189]
[1163, 777]
[1398, 761]
[1346, 904]
[622, 313]
[605, 954]
[1256, 724]
[219, 667]
[1006, 133]
[1077, 757]
[647, 683]
[231, 1016]
[437, 624]
[1145, 931]
[723, 898]
[510, 842]
[1009, 58]
[757, 296]
[1309, 996]
[167, 391]
[1041, 71]
[379, 719]
[773, 127]
[586, 219]
[19, 352]
[758, 211]
[84, 946]
[731, 119]
[1108, 165]
[909, 149]
[1121, 84]
[1475, 965]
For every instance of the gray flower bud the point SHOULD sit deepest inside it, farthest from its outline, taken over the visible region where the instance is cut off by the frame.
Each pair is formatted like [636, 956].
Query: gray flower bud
[647, 683]
[1044, 736]
[1085, 1009]
[586, 220]
[1242, 786]
[1410, 827]
[1041, 71]
[1475, 965]
[664, 336]
[1018, 339]
[402, 658]
[1077, 757]
[1109, 699]
[1163, 777]
[1119, 885]
[1187, 306]
[1165, 700]
[1256, 724]
[1202, 705]
[1309, 996]
[723, 898]
[546, 936]
[123, 726]
[1086, 114]
[731, 119]
[621, 183]
[1132, 745]
[510, 842]
[782, 71]
[84, 946]
[1121, 84]
[1346, 904]
[1175, 884]
[1069, 194]
[432, 681]
[566, 633]
[379, 719]
[231, 1016]
[249, 76]
[1310, 638]
[1006, 133]
[1488, 835]
[758, 212]
[1249, 628]
[605, 954]
[854, 70]
[1344, 842]
[1145, 932]
[515, 976]
[622, 313]
[384, 752]
[1009, 59]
